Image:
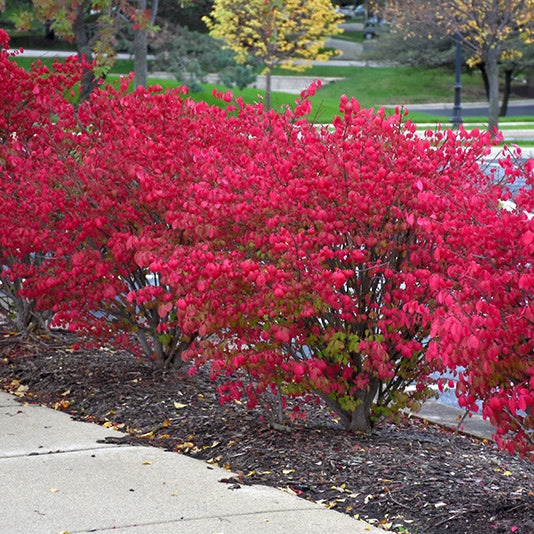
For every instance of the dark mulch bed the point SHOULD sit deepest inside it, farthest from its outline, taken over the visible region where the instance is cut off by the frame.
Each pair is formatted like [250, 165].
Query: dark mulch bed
[412, 477]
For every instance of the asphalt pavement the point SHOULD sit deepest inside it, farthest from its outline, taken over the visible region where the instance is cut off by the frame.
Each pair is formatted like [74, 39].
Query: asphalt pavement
[516, 108]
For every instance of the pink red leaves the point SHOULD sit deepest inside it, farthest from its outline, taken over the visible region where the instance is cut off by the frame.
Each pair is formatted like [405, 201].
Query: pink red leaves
[348, 262]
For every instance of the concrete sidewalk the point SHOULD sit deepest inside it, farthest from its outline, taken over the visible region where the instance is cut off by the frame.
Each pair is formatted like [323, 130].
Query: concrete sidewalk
[56, 478]
[450, 417]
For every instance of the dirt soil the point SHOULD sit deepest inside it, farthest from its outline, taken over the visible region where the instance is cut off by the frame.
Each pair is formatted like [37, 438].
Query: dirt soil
[411, 477]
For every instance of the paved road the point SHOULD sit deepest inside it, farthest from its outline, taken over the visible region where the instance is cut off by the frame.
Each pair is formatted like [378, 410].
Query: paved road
[515, 109]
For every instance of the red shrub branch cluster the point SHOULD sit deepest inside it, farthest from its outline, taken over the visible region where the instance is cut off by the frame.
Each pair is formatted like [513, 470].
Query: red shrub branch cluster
[349, 262]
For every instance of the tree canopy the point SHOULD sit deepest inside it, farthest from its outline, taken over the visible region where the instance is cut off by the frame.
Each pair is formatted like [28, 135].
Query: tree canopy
[93, 26]
[275, 33]
[486, 28]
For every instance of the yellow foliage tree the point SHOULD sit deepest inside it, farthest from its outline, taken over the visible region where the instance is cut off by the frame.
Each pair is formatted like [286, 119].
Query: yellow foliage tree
[484, 26]
[275, 32]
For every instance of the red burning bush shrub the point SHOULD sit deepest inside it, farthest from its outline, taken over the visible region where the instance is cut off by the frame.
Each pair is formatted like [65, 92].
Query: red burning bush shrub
[348, 261]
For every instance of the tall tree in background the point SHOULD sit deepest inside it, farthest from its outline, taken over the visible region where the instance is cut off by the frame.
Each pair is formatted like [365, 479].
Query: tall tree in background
[517, 58]
[89, 24]
[423, 44]
[145, 20]
[141, 48]
[486, 27]
[275, 32]
[92, 25]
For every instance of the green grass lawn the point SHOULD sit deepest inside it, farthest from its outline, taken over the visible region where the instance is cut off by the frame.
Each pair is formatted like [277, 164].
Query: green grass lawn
[371, 86]
[121, 66]
[353, 37]
[395, 85]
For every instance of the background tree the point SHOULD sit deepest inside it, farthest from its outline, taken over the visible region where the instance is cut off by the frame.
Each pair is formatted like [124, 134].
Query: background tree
[188, 14]
[420, 45]
[90, 24]
[144, 20]
[191, 55]
[486, 27]
[275, 33]
[517, 58]
[424, 44]
[93, 26]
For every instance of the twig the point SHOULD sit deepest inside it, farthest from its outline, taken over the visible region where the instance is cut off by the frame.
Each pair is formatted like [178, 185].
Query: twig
[397, 502]
[517, 506]
[460, 423]
[281, 428]
[453, 516]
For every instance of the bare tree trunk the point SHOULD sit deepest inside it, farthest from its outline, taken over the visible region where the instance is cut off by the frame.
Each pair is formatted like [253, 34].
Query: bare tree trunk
[359, 419]
[492, 68]
[155, 5]
[140, 52]
[83, 47]
[268, 90]
[482, 68]
[506, 94]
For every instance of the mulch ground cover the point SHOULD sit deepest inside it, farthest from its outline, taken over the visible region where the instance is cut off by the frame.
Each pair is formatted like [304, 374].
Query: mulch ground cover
[411, 477]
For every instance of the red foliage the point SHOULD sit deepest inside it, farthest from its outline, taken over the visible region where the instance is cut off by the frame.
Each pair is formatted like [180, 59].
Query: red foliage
[124, 220]
[484, 325]
[349, 261]
[354, 243]
[4, 39]
[36, 126]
